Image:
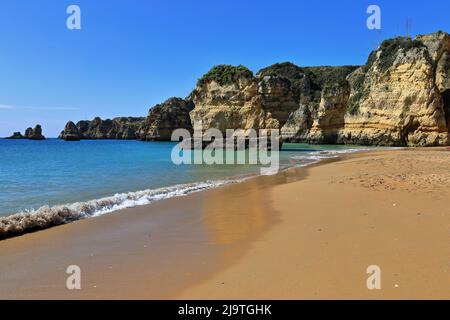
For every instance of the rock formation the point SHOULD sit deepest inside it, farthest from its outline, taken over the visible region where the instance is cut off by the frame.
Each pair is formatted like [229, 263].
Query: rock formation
[125, 128]
[240, 100]
[161, 121]
[282, 96]
[71, 132]
[30, 134]
[321, 95]
[164, 118]
[34, 134]
[400, 97]
[16, 135]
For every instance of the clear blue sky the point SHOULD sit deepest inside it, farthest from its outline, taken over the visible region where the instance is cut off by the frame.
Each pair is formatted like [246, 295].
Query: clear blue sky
[132, 54]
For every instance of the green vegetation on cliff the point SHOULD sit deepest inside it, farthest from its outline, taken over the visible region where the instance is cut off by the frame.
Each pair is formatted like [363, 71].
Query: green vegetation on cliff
[319, 77]
[359, 92]
[389, 49]
[329, 76]
[225, 74]
[310, 82]
[286, 70]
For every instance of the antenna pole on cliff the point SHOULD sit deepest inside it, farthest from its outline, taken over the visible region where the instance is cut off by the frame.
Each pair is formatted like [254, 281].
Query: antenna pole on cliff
[408, 28]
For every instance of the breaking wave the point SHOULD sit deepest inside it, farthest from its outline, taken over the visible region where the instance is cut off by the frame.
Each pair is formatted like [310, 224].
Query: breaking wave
[316, 156]
[46, 216]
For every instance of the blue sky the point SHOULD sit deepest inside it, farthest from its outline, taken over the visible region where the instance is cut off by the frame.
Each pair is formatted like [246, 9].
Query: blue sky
[132, 54]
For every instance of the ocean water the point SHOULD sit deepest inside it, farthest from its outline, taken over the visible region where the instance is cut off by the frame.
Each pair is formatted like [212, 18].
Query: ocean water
[76, 179]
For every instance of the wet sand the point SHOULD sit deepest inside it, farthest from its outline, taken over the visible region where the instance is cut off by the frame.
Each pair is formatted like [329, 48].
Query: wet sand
[147, 252]
[389, 209]
[303, 234]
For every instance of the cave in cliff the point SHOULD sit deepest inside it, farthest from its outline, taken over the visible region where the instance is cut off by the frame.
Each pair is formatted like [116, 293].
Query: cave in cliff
[446, 98]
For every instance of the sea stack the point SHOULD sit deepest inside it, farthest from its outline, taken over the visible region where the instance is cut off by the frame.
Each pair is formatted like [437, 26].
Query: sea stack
[70, 132]
[30, 134]
[16, 135]
[34, 134]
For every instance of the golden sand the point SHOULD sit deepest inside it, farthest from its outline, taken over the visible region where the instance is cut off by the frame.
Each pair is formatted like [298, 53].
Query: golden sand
[389, 209]
[306, 233]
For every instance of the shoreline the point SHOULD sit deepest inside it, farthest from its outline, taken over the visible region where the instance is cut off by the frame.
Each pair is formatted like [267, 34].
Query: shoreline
[87, 239]
[384, 208]
[46, 217]
[255, 240]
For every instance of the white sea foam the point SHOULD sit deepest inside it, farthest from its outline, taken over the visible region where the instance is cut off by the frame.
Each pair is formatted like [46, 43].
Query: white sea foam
[46, 216]
[315, 156]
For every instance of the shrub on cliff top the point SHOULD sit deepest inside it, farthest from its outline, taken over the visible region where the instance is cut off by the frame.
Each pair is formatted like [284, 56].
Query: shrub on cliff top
[225, 74]
[330, 76]
[321, 76]
[286, 70]
[318, 78]
[389, 49]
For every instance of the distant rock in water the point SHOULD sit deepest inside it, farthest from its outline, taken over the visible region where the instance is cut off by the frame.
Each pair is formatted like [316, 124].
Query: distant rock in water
[161, 121]
[164, 118]
[70, 132]
[34, 134]
[16, 135]
[124, 128]
[30, 134]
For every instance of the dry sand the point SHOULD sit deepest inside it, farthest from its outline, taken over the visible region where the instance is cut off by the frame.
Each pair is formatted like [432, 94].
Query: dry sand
[389, 209]
[305, 233]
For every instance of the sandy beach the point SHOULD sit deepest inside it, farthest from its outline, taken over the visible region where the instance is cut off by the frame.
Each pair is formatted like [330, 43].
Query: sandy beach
[306, 233]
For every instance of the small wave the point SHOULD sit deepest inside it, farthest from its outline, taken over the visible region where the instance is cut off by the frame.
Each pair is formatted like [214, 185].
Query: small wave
[46, 216]
[316, 156]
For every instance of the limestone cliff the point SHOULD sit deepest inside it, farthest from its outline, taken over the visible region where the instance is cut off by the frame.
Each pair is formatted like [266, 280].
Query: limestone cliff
[283, 96]
[397, 98]
[242, 101]
[118, 128]
[157, 126]
[226, 98]
[321, 95]
[164, 118]
[400, 97]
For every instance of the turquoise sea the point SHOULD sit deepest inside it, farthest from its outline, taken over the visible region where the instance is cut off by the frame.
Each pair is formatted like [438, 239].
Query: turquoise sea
[93, 177]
